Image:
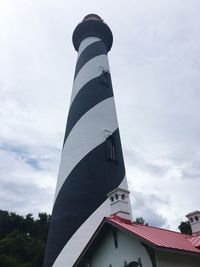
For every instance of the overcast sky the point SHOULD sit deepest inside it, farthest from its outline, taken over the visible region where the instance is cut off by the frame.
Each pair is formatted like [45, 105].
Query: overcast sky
[155, 64]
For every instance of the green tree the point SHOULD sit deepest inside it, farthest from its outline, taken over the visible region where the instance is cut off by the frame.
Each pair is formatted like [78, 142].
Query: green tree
[185, 228]
[140, 220]
[22, 239]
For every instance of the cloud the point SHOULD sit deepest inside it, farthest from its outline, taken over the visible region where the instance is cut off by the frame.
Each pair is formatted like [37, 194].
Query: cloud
[22, 153]
[27, 179]
[145, 206]
[138, 160]
[18, 197]
[191, 170]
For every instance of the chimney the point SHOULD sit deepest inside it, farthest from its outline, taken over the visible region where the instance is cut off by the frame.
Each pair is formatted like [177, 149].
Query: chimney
[119, 203]
[194, 219]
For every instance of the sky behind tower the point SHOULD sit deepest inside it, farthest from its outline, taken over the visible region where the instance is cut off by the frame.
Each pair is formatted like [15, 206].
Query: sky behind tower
[154, 65]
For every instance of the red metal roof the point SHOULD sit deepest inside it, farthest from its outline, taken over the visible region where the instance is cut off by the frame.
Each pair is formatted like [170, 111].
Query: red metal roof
[160, 237]
[195, 241]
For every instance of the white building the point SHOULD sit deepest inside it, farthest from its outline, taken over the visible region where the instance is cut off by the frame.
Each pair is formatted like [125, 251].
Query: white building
[118, 242]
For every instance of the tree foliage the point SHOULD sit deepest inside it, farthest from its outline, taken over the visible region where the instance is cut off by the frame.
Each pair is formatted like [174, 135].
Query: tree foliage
[185, 228]
[141, 220]
[22, 239]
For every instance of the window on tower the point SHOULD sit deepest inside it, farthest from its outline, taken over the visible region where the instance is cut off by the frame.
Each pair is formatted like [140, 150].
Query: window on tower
[104, 77]
[110, 148]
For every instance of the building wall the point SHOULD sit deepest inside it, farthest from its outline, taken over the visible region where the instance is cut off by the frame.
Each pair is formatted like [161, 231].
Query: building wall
[129, 249]
[166, 259]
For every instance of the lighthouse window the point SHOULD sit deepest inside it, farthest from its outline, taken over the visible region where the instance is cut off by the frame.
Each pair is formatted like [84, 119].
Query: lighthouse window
[104, 78]
[196, 218]
[110, 148]
[191, 219]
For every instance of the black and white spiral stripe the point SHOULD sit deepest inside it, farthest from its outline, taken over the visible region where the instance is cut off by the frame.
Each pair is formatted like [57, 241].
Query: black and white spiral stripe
[85, 175]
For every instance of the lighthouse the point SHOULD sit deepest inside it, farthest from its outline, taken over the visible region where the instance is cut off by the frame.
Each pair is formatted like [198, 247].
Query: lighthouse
[92, 162]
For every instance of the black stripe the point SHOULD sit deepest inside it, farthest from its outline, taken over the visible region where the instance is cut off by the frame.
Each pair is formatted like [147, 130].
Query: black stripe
[93, 50]
[92, 28]
[84, 190]
[90, 95]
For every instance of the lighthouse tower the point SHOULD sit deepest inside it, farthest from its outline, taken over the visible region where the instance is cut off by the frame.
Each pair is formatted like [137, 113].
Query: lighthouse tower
[92, 162]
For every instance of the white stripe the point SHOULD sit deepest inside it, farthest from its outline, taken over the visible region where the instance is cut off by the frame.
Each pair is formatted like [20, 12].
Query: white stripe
[86, 134]
[89, 71]
[79, 240]
[86, 42]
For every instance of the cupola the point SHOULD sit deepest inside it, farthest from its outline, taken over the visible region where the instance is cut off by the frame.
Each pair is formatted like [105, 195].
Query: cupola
[194, 219]
[119, 203]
